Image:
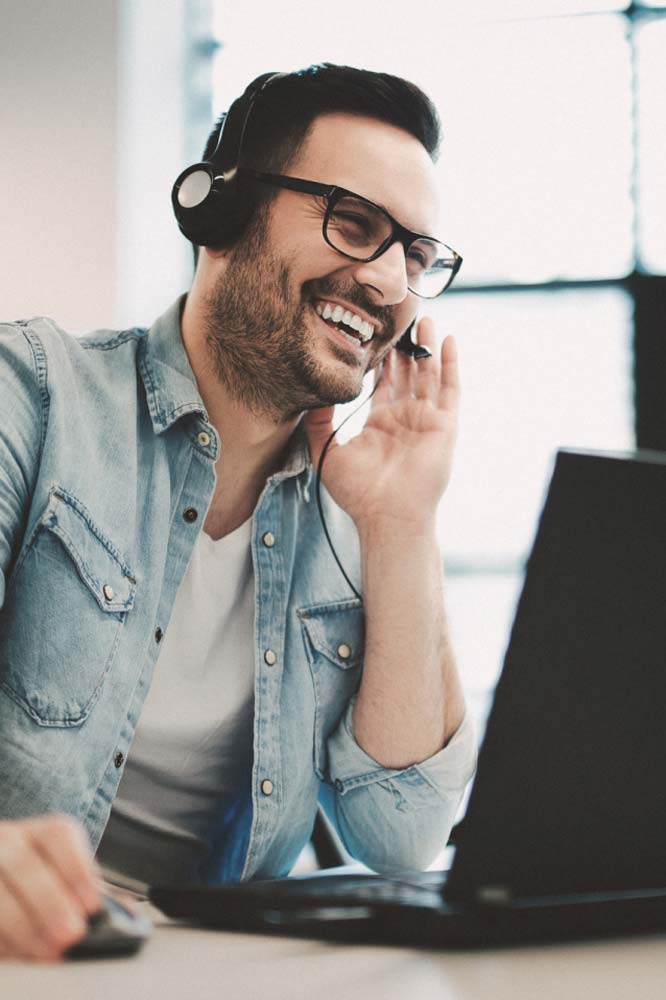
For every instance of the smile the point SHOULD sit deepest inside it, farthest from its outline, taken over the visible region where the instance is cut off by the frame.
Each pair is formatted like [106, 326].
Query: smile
[345, 321]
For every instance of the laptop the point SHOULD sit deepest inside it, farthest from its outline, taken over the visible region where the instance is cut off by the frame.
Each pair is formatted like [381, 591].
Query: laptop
[564, 835]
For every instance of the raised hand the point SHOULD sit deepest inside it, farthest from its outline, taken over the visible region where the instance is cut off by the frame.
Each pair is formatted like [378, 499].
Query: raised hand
[398, 467]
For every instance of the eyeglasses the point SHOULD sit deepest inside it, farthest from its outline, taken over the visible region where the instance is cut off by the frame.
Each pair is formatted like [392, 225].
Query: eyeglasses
[363, 231]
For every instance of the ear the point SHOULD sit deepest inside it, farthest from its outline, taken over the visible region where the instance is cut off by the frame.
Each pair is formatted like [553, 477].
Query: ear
[215, 253]
[211, 264]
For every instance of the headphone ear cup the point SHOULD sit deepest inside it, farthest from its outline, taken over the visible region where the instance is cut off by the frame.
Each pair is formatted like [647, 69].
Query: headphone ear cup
[209, 212]
[210, 209]
[193, 195]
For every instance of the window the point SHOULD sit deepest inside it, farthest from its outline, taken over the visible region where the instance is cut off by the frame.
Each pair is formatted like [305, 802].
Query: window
[651, 130]
[552, 167]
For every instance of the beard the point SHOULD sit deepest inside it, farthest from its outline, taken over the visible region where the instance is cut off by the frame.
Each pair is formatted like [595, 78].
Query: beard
[259, 336]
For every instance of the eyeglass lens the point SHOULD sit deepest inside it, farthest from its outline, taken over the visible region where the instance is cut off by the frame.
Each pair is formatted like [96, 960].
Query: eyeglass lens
[358, 228]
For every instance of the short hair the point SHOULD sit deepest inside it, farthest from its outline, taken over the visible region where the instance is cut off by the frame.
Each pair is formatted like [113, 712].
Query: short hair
[281, 119]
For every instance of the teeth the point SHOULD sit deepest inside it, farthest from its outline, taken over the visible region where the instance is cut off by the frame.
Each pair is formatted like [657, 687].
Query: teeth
[338, 314]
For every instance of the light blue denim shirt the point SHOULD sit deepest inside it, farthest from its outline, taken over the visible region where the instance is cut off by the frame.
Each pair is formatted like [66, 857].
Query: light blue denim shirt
[107, 468]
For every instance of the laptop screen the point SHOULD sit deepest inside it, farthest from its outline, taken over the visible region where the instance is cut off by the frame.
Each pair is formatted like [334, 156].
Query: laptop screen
[570, 790]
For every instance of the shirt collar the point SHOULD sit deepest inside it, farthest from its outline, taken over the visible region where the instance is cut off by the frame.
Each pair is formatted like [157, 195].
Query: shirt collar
[298, 455]
[171, 388]
[172, 392]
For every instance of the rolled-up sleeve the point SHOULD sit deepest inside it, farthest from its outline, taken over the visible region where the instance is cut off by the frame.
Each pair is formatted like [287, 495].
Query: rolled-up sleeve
[396, 820]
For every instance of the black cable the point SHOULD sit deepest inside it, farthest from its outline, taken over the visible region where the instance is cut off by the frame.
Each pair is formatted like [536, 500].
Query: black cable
[320, 466]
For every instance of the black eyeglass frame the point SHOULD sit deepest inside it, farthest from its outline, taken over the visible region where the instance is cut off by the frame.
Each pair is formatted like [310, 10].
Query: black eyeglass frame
[333, 193]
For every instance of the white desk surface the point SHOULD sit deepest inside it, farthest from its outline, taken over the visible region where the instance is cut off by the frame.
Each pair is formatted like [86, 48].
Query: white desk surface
[179, 963]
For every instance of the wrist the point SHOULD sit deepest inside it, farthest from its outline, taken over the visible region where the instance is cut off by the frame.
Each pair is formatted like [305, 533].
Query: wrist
[382, 528]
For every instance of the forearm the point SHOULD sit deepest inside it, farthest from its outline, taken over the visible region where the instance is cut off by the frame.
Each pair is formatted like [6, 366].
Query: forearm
[410, 701]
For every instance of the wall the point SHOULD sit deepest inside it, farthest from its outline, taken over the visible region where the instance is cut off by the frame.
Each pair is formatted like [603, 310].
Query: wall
[58, 134]
[91, 138]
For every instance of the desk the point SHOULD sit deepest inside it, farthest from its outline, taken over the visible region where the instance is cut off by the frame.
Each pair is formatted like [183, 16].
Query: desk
[182, 963]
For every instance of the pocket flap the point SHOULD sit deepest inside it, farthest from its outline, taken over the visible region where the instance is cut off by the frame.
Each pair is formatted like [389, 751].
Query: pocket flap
[97, 560]
[336, 630]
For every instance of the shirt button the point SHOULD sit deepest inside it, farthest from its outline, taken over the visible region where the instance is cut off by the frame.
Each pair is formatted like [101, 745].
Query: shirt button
[203, 439]
[118, 760]
[267, 786]
[190, 514]
[344, 651]
[338, 785]
[269, 539]
[270, 657]
[158, 634]
[107, 590]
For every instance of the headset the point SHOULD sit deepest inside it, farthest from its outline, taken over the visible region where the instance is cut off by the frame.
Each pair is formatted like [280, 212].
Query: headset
[205, 198]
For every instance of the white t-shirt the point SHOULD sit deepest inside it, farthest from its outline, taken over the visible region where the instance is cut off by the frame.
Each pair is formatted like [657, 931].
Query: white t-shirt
[193, 743]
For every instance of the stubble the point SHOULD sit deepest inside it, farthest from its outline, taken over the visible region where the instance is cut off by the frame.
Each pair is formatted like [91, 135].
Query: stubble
[258, 338]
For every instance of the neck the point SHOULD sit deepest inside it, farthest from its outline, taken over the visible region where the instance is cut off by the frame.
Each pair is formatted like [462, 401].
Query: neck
[253, 443]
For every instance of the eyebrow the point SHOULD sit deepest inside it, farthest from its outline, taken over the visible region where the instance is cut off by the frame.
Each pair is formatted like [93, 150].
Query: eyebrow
[417, 232]
[307, 186]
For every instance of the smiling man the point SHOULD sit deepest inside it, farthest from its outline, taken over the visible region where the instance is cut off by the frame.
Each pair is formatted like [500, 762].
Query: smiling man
[184, 671]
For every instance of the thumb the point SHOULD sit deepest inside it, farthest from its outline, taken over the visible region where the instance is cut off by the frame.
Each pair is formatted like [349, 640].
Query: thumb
[319, 427]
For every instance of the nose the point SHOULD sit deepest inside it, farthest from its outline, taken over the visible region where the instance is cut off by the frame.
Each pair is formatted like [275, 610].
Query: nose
[387, 275]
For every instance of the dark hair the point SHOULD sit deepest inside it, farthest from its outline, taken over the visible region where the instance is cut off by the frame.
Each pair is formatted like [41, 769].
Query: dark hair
[282, 117]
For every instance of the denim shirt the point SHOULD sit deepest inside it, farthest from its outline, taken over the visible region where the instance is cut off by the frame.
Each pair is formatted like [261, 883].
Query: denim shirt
[107, 469]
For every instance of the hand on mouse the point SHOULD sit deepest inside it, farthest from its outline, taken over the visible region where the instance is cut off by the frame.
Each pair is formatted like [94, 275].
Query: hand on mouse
[48, 886]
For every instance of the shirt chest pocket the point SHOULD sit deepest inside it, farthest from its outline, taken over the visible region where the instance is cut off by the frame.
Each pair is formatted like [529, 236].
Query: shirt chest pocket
[66, 606]
[334, 637]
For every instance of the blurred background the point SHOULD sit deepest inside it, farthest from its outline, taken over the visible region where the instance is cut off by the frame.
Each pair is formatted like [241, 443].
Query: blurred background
[553, 171]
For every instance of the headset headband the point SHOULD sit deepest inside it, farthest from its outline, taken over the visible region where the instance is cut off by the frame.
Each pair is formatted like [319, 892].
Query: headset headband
[204, 196]
[227, 153]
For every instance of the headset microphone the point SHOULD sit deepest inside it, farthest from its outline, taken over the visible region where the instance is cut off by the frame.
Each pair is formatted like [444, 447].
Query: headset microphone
[407, 346]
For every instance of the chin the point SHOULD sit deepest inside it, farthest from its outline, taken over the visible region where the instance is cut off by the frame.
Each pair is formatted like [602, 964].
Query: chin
[331, 392]
[340, 383]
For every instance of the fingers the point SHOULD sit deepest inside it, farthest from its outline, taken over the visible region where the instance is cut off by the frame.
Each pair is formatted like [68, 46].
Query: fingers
[47, 886]
[435, 378]
[383, 391]
[65, 847]
[427, 370]
[449, 391]
[418, 379]
[404, 375]
[395, 380]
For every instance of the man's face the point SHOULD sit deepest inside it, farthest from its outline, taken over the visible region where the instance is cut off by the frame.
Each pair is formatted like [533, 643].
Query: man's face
[275, 285]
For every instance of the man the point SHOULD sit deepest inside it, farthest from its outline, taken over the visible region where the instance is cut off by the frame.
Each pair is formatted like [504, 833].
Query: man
[157, 497]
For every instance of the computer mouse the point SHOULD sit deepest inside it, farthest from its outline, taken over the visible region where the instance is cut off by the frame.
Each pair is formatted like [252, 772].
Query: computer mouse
[113, 931]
